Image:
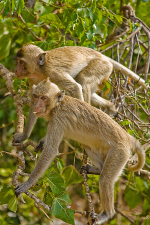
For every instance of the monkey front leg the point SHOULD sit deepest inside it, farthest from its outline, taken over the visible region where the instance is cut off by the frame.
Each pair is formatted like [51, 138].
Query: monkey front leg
[66, 82]
[47, 156]
[32, 118]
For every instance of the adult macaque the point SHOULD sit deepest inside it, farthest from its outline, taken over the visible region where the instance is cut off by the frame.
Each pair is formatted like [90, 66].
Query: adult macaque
[80, 71]
[106, 143]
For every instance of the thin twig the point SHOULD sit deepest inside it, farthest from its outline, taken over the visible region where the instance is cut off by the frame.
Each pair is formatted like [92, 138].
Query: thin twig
[118, 211]
[36, 37]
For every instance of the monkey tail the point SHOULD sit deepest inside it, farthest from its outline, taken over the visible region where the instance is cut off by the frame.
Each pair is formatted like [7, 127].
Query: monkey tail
[128, 72]
[141, 157]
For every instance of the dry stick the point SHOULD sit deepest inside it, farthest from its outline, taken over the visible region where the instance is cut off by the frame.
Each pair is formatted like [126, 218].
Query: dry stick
[118, 211]
[126, 95]
[36, 37]
[123, 41]
[122, 50]
[88, 194]
[142, 43]
[143, 68]
[130, 53]
[37, 206]
[148, 59]
[118, 85]
[137, 60]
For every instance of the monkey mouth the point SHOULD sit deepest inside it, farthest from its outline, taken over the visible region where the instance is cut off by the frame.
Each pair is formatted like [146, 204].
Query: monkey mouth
[39, 113]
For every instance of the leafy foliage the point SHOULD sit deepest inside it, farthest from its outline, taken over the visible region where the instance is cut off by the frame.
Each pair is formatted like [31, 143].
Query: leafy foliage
[55, 24]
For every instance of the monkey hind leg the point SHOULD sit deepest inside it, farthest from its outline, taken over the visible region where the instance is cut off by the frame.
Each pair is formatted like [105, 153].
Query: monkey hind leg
[86, 92]
[112, 168]
[101, 102]
[90, 169]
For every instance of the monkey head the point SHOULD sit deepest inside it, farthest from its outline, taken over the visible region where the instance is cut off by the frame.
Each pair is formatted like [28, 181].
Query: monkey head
[29, 59]
[46, 96]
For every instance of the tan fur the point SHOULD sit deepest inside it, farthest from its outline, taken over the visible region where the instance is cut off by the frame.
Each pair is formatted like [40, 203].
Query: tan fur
[106, 143]
[80, 71]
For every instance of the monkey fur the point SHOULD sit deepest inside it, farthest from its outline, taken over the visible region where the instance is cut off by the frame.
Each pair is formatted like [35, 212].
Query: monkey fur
[80, 71]
[107, 144]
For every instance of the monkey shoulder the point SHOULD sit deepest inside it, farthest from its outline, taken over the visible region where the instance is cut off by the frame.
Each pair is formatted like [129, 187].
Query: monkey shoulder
[72, 51]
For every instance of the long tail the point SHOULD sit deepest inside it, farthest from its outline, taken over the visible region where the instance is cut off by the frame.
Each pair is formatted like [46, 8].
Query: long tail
[129, 73]
[138, 149]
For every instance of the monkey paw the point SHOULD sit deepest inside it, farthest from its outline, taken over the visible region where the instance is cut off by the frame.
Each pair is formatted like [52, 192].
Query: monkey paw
[84, 168]
[19, 137]
[101, 218]
[39, 146]
[22, 188]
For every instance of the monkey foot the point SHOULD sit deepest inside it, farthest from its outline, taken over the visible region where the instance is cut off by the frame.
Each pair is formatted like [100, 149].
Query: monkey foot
[101, 218]
[22, 188]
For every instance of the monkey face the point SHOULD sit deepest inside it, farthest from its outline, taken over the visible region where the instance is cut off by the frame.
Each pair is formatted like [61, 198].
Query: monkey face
[20, 70]
[40, 104]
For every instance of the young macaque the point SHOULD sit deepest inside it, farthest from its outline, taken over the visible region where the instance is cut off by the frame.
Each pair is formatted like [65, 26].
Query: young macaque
[80, 71]
[106, 143]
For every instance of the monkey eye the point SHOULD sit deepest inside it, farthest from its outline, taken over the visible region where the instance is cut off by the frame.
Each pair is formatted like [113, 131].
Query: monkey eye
[43, 97]
[21, 62]
[35, 96]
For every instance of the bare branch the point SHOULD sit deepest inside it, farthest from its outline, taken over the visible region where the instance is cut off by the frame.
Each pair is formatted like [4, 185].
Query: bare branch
[36, 37]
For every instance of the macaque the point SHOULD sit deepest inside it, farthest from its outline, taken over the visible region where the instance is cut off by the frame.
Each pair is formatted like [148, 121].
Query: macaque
[80, 71]
[107, 144]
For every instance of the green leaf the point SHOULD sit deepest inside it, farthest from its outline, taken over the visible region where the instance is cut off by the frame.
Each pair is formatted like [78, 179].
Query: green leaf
[5, 44]
[60, 211]
[1, 5]
[12, 205]
[71, 176]
[82, 12]
[52, 18]
[90, 34]
[13, 5]
[20, 6]
[145, 205]
[5, 194]
[16, 84]
[147, 221]
[65, 197]
[133, 198]
[99, 17]
[118, 18]
[5, 172]
[56, 183]
[141, 184]
[48, 196]
[79, 30]
[131, 132]
[125, 122]
[6, 7]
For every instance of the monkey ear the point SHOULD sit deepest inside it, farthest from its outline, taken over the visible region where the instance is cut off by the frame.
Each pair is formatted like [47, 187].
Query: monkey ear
[41, 58]
[60, 95]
